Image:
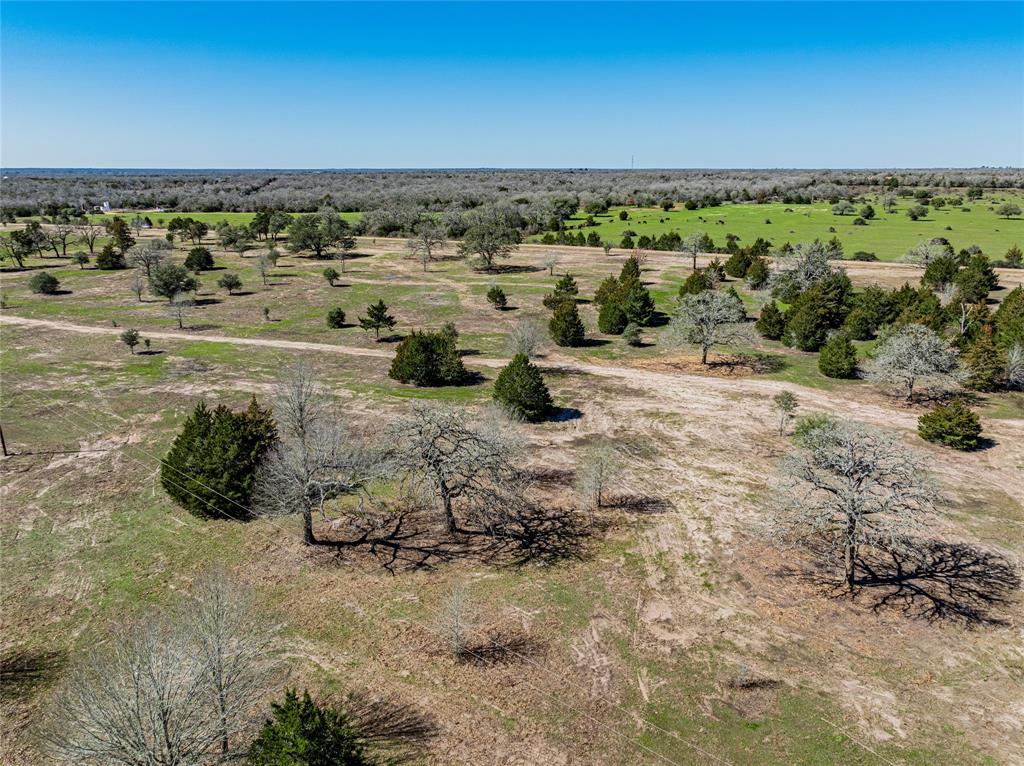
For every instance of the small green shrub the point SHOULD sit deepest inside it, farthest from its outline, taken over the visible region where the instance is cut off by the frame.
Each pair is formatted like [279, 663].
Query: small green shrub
[838, 357]
[336, 318]
[43, 283]
[953, 425]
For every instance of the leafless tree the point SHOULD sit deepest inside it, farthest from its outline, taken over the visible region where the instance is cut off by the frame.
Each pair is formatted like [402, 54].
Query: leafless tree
[805, 267]
[427, 240]
[848, 487]
[316, 462]
[708, 319]
[694, 244]
[469, 469]
[57, 235]
[148, 255]
[166, 690]
[924, 253]
[454, 623]
[598, 466]
[914, 354]
[263, 266]
[527, 337]
[139, 282]
[549, 262]
[234, 644]
[89, 232]
[1015, 366]
[179, 307]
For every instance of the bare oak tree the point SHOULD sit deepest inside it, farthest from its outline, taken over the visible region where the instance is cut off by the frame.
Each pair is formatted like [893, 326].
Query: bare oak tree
[469, 469]
[316, 462]
[707, 319]
[171, 690]
[848, 486]
[148, 255]
[914, 354]
[88, 232]
[429, 237]
[527, 337]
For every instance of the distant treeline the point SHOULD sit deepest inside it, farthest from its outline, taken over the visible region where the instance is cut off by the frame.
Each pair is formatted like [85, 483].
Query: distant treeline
[29, 191]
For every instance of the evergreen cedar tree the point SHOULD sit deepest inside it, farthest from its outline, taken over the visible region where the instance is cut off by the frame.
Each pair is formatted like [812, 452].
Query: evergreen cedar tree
[109, 259]
[772, 322]
[496, 297]
[377, 318]
[428, 359]
[697, 282]
[624, 300]
[199, 259]
[43, 283]
[210, 469]
[758, 273]
[984, 363]
[520, 387]
[1009, 319]
[838, 357]
[302, 733]
[565, 290]
[336, 318]
[953, 425]
[565, 326]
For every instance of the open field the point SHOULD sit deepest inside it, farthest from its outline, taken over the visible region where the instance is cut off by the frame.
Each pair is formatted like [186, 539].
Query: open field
[889, 235]
[670, 633]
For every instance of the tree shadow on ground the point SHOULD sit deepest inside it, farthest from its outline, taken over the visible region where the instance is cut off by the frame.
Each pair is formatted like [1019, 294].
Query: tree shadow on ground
[641, 505]
[938, 581]
[564, 414]
[416, 539]
[501, 647]
[935, 581]
[24, 671]
[760, 364]
[512, 269]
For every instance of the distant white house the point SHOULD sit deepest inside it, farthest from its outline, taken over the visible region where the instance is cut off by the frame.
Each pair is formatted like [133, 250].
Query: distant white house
[105, 207]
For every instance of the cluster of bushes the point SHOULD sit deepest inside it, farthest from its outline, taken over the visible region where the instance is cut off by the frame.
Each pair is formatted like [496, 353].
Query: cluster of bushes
[624, 301]
[429, 359]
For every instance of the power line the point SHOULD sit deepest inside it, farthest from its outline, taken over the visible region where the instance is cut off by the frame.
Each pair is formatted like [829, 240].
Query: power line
[629, 739]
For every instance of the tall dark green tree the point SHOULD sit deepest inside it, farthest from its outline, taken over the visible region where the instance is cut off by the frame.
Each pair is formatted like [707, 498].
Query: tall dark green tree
[302, 733]
[838, 357]
[210, 469]
[520, 387]
[565, 326]
[772, 322]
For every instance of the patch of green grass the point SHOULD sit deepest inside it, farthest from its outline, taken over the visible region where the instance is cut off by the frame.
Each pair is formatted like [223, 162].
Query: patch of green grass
[889, 236]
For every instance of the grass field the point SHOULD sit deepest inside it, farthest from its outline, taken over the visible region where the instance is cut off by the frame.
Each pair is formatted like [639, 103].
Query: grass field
[674, 624]
[889, 236]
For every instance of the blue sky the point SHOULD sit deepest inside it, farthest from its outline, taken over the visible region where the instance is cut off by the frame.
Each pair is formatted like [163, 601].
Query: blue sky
[297, 85]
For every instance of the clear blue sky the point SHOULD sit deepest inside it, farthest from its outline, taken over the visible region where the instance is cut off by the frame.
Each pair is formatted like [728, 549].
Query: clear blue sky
[298, 85]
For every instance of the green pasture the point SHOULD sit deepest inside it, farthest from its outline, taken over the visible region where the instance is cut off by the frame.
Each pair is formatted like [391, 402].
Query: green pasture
[888, 236]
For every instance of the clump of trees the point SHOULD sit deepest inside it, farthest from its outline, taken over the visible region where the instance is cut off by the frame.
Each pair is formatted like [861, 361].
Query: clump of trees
[428, 359]
[210, 469]
[520, 387]
[486, 242]
[319, 233]
[624, 300]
